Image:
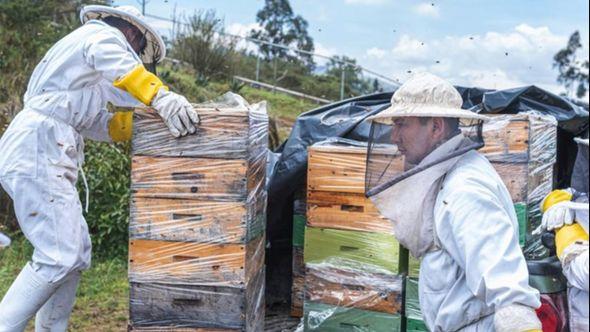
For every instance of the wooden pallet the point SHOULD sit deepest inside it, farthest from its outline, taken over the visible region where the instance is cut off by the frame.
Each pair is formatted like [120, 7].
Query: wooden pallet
[195, 263]
[353, 287]
[204, 308]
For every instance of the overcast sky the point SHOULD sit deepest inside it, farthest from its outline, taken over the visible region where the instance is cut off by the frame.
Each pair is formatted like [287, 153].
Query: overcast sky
[490, 44]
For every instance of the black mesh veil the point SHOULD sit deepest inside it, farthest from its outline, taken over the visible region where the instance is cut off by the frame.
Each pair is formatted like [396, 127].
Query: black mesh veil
[394, 152]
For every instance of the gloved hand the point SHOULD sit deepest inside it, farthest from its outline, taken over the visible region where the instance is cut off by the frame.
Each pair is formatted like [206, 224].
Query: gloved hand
[176, 111]
[559, 215]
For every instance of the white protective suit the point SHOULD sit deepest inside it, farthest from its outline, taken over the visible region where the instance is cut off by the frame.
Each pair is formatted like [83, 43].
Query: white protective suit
[41, 153]
[479, 257]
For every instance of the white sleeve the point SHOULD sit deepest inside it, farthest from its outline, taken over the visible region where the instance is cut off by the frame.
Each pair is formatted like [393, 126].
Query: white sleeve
[108, 53]
[576, 271]
[484, 242]
[98, 130]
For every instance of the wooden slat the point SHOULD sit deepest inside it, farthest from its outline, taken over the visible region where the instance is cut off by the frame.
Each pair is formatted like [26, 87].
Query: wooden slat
[344, 211]
[355, 289]
[195, 221]
[516, 178]
[297, 296]
[201, 308]
[203, 263]
[189, 178]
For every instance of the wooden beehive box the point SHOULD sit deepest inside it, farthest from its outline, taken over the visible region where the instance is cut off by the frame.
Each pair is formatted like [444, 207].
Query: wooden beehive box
[231, 264]
[162, 307]
[336, 190]
[324, 317]
[351, 287]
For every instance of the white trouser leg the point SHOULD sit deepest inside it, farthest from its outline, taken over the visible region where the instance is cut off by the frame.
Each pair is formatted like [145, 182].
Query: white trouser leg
[55, 313]
[26, 295]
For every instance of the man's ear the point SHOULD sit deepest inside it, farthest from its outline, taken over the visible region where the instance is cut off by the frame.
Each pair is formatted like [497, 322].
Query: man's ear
[438, 127]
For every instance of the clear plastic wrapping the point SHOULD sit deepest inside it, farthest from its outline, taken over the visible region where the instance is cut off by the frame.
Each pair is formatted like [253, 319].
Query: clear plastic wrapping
[523, 148]
[198, 215]
[351, 256]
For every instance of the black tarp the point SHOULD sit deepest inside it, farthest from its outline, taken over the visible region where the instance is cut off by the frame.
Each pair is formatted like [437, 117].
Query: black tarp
[348, 119]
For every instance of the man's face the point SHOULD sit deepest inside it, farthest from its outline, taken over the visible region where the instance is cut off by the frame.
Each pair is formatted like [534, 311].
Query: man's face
[136, 39]
[414, 139]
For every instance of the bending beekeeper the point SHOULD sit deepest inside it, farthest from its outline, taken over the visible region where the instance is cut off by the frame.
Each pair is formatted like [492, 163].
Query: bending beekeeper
[450, 208]
[42, 150]
[566, 213]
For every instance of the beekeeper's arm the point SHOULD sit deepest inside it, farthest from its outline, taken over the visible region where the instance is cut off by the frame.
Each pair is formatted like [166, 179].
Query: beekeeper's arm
[485, 245]
[108, 53]
[571, 239]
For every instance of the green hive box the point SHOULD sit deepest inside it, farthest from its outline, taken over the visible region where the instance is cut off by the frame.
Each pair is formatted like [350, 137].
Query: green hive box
[376, 249]
[414, 322]
[326, 318]
[298, 230]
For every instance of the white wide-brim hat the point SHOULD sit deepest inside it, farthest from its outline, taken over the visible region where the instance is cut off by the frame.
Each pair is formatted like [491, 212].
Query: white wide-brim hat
[426, 95]
[155, 49]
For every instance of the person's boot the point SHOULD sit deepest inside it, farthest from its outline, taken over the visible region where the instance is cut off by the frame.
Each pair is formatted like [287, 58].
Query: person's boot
[24, 298]
[55, 313]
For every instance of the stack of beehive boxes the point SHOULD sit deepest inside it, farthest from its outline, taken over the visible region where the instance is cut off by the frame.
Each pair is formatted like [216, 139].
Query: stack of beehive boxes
[196, 249]
[351, 255]
[522, 148]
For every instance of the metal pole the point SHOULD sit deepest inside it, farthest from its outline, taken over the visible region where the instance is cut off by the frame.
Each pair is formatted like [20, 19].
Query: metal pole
[342, 77]
[258, 67]
[274, 74]
[143, 7]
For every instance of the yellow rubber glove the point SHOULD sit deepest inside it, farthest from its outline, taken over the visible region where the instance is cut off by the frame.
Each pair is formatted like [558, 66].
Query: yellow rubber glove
[141, 84]
[554, 197]
[568, 235]
[121, 126]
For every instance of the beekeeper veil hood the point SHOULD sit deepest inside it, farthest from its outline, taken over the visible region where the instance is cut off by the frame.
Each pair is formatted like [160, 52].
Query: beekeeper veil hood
[412, 145]
[155, 49]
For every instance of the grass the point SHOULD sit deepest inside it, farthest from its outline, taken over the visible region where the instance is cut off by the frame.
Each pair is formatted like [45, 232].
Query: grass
[102, 297]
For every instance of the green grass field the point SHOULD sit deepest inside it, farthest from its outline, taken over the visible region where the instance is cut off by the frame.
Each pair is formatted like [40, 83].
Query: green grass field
[102, 298]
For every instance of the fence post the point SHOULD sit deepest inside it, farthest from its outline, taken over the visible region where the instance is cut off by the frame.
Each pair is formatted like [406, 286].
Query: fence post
[343, 76]
[258, 67]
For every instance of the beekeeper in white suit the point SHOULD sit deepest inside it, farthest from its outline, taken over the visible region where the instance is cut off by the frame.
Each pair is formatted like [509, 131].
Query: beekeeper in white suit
[566, 213]
[450, 208]
[42, 150]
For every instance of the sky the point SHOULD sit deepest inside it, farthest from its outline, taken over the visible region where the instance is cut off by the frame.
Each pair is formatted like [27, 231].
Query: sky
[493, 44]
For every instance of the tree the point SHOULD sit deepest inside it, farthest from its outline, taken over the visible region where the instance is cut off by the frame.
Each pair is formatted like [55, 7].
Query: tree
[354, 84]
[573, 73]
[203, 44]
[281, 26]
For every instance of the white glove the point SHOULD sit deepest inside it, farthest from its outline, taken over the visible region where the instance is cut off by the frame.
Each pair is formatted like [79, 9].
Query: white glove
[516, 318]
[559, 215]
[177, 112]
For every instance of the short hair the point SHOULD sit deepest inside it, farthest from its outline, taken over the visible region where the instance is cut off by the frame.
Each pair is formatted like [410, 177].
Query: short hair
[452, 124]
